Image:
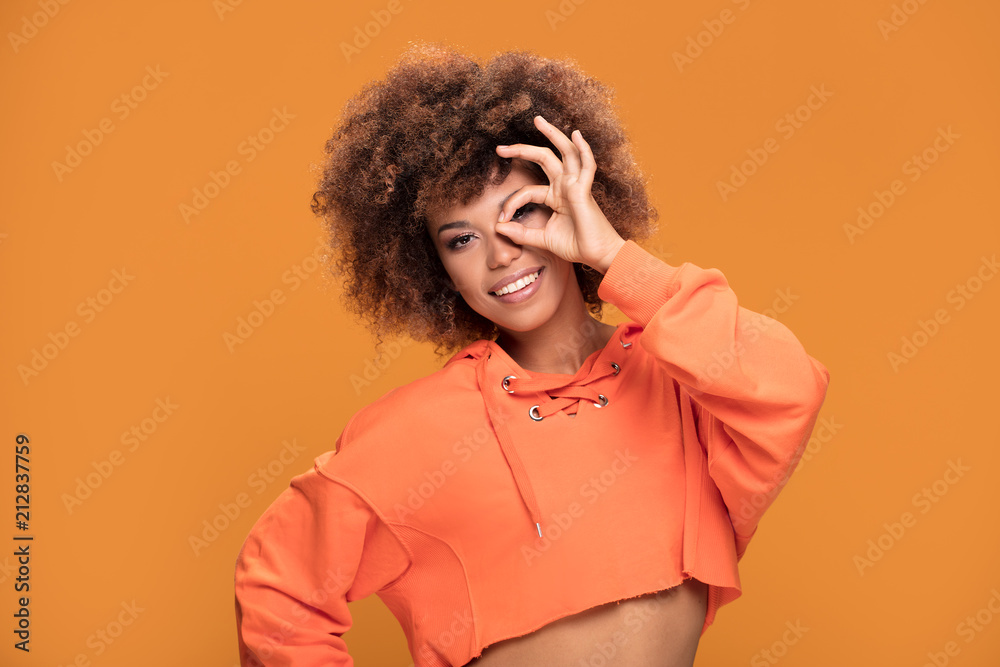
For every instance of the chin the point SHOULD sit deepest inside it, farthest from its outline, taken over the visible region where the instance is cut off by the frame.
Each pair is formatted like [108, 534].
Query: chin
[524, 322]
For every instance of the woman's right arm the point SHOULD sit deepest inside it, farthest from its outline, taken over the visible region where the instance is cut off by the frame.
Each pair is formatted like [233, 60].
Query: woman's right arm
[317, 547]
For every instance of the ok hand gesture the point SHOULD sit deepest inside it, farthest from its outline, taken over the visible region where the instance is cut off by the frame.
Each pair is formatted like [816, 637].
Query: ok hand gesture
[577, 230]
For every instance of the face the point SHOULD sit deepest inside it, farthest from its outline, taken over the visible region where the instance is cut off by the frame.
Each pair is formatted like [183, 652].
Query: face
[481, 261]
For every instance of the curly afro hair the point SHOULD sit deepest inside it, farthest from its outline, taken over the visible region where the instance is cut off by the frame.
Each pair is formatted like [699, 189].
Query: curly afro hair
[425, 138]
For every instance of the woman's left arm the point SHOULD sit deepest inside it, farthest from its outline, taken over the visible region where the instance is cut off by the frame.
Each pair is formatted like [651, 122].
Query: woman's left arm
[758, 393]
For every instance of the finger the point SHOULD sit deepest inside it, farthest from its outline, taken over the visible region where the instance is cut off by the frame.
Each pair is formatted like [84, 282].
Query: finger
[521, 235]
[542, 155]
[525, 194]
[570, 152]
[588, 165]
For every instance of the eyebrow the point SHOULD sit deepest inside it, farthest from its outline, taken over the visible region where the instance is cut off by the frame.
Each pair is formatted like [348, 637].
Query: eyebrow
[466, 223]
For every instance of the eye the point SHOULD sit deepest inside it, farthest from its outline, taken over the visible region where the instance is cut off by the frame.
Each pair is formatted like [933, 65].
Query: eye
[530, 206]
[459, 241]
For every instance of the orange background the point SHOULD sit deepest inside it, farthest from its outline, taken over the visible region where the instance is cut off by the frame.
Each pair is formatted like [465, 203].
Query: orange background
[161, 335]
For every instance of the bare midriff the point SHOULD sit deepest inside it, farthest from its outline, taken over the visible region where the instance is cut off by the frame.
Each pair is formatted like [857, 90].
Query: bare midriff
[658, 629]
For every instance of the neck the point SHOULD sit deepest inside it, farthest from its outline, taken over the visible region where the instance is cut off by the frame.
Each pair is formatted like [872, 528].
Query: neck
[561, 345]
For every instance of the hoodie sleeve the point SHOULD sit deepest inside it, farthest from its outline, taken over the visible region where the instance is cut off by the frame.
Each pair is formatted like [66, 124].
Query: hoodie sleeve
[757, 393]
[316, 548]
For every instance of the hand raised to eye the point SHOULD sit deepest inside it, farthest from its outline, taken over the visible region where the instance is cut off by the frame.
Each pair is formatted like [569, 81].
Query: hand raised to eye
[577, 230]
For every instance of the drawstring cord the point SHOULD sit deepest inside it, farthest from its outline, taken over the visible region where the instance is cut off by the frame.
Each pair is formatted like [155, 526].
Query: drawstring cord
[560, 394]
[507, 445]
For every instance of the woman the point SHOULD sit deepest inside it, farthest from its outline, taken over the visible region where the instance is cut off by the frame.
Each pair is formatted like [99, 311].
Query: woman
[563, 491]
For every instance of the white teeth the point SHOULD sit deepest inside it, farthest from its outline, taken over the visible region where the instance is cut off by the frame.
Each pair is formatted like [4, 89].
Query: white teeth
[520, 284]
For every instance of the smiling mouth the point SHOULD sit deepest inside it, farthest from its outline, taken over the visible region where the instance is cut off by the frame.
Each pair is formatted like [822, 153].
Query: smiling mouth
[518, 285]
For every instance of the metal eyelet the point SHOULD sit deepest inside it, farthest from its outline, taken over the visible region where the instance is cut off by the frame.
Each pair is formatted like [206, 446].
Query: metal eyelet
[616, 367]
[506, 383]
[533, 412]
[604, 401]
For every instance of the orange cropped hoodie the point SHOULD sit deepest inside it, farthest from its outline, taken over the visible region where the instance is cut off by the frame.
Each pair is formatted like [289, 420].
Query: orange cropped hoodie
[483, 502]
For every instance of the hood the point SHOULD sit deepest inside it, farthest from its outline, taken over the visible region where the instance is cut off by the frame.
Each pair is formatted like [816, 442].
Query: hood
[500, 377]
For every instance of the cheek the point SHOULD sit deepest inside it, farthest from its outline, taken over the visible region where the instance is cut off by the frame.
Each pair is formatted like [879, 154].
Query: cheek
[459, 278]
[565, 272]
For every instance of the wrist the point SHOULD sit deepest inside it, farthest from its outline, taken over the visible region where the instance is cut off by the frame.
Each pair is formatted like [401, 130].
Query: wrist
[604, 262]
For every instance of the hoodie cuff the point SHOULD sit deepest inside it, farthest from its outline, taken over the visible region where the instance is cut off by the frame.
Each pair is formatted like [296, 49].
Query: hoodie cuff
[638, 282]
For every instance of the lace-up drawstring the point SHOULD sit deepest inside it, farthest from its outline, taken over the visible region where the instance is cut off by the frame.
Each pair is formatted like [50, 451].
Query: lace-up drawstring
[561, 393]
[561, 396]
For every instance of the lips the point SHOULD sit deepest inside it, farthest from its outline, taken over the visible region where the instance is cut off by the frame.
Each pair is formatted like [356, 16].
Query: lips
[513, 278]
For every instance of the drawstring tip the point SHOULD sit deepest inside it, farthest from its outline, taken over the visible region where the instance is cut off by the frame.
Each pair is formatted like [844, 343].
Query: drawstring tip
[539, 528]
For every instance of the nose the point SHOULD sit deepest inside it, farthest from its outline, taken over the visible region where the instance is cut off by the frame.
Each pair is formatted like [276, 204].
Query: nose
[501, 251]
